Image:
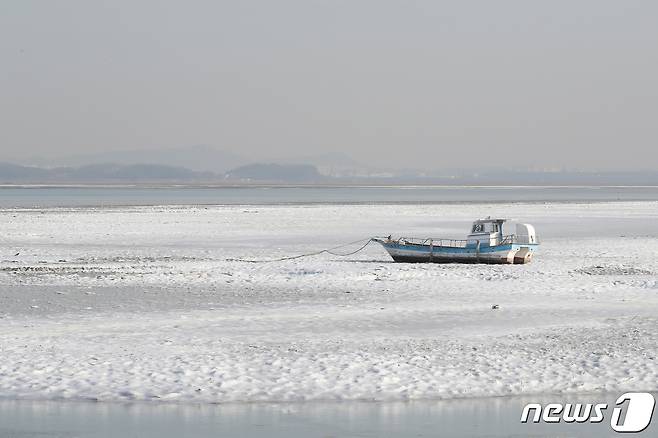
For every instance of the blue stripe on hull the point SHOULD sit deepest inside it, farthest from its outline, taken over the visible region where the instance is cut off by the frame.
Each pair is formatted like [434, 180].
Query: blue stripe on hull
[426, 259]
[414, 253]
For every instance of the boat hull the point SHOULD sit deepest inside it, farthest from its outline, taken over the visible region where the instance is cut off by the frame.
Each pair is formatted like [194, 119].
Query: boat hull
[501, 254]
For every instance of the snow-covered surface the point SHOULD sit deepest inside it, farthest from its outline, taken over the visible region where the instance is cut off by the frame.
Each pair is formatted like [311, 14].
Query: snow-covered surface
[150, 303]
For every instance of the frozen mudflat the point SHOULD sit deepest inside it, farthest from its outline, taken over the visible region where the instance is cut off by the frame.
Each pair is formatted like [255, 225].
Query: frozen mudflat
[150, 303]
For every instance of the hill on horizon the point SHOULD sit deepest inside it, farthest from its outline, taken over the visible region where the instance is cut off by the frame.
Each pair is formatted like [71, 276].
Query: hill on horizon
[199, 158]
[275, 173]
[100, 173]
[272, 172]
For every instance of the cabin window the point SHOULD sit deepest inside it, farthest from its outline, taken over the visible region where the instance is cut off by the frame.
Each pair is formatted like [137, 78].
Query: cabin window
[494, 228]
[478, 228]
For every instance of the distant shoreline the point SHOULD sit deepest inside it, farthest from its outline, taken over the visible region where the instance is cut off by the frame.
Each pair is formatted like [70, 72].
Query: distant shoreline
[177, 195]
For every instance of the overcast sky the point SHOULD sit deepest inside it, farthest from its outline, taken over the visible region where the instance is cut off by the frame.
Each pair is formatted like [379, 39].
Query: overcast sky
[570, 84]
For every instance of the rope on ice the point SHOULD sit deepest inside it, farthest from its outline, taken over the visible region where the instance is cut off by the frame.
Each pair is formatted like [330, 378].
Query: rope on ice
[323, 251]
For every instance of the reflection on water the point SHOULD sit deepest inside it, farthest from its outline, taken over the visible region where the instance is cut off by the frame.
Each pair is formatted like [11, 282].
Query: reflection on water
[485, 417]
[27, 197]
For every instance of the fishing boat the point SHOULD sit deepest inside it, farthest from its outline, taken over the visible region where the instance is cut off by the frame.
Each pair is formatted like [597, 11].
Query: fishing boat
[485, 244]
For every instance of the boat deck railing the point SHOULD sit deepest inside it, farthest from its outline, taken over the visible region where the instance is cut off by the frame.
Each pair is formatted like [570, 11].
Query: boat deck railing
[450, 243]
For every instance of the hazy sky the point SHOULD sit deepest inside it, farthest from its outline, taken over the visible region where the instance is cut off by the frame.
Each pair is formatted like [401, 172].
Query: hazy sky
[396, 83]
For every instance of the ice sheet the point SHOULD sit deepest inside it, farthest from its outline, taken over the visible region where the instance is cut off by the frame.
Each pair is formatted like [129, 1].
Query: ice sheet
[147, 303]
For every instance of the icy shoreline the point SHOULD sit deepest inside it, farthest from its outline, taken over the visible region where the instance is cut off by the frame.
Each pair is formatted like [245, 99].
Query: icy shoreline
[143, 304]
[285, 420]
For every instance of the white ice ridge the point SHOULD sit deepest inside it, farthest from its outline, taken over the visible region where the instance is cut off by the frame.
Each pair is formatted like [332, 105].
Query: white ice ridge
[293, 356]
[142, 304]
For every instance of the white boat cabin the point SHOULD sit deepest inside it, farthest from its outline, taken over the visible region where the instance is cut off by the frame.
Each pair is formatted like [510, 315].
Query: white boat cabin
[489, 232]
[486, 232]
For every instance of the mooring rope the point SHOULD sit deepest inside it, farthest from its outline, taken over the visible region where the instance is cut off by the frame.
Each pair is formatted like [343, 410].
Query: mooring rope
[323, 251]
